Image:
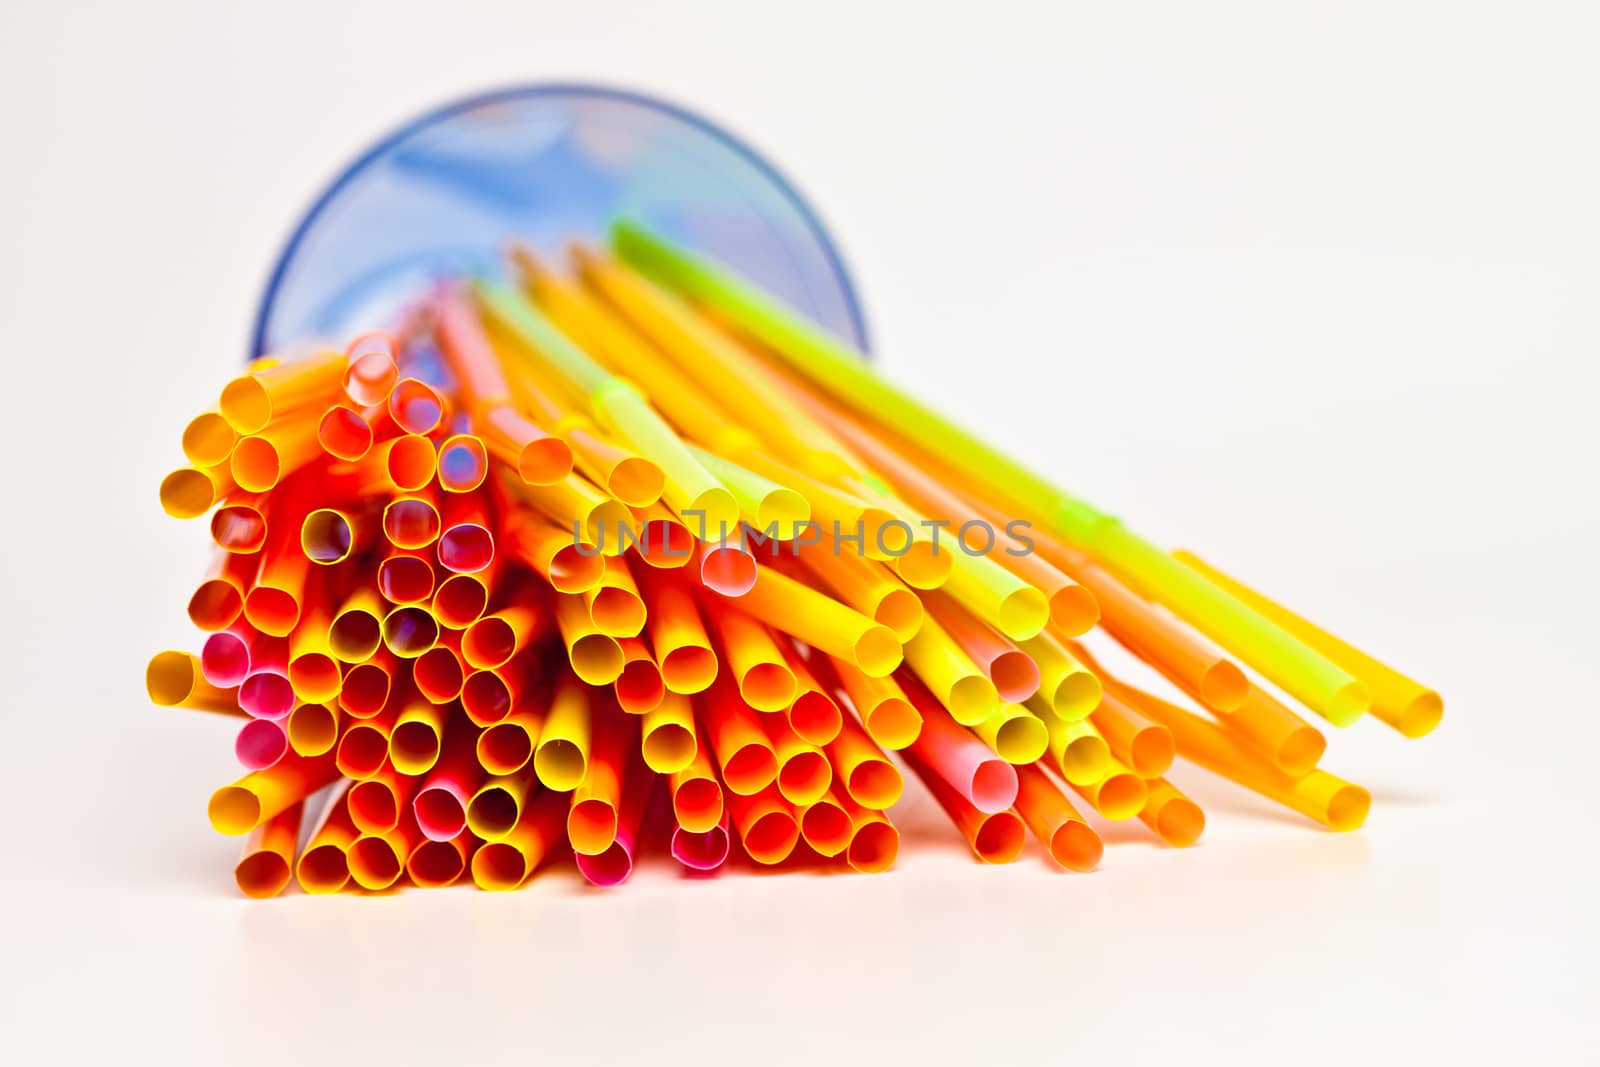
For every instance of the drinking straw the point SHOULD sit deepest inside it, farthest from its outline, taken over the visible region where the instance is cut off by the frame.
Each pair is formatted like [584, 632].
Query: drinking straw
[274, 602]
[1076, 750]
[1067, 686]
[466, 544]
[406, 577]
[496, 807]
[553, 554]
[814, 716]
[189, 492]
[173, 680]
[259, 744]
[874, 842]
[561, 756]
[257, 398]
[772, 509]
[416, 407]
[207, 439]
[822, 622]
[1013, 672]
[328, 535]
[266, 693]
[370, 372]
[267, 861]
[492, 640]
[994, 836]
[595, 657]
[366, 686]
[863, 584]
[416, 738]
[668, 738]
[378, 860]
[506, 747]
[860, 522]
[377, 803]
[461, 599]
[949, 673]
[689, 489]
[313, 670]
[702, 850]
[682, 647]
[538, 457]
[742, 749]
[820, 358]
[344, 433]
[1292, 744]
[959, 758]
[696, 794]
[324, 865]
[804, 773]
[664, 541]
[507, 863]
[313, 729]
[409, 631]
[615, 607]
[489, 696]
[1409, 707]
[1118, 794]
[1145, 747]
[1320, 796]
[239, 808]
[864, 774]
[579, 509]
[754, 660]
[436, 864]
[218, 601]
[826, 826]
[240, 525]
[1175, 818]
[1014, 733]
[1071, 842]
[888, 716]
[612, 866]
[260, 461]
[766, 825]
[638, 688]
[363, 748]
[225, 657]
[357, 630]
[593, 821]
[727, 567]
[440, 802]
[412, 521]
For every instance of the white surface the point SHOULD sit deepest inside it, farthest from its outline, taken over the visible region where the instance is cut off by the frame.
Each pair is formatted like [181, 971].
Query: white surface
[1310, 289]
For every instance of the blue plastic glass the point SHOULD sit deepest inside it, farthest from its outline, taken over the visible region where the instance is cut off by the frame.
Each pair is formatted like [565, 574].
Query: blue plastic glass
[441, 196]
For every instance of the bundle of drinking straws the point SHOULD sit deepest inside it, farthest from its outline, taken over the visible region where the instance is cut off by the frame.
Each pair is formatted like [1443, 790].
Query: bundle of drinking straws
[631, 553]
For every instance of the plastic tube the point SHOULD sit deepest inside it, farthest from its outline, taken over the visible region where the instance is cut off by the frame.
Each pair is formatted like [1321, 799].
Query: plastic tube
[266, 863]
[766, 824]
[682, 646]
[1071, 842]
[1175, 818]
[950, 675]
[740, 745]
[754, 661]
[507, 863]
[173, 680]
[561, 757]
[697, 801]
[239, 808]
[960, 759]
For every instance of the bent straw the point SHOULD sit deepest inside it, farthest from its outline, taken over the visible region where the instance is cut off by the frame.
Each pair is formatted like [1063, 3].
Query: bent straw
[1118, 795]
[889, 718]
[1071, 842]
[553, 554]
[266, 863]
[743, 752]
[668, 740]
[259, 397]
[240, 525]
[1325, 798]
[696, 794]
[814, 716]
[826, 826]
[207, 439]
[864, 774]
[496, 808]
[506, 747]
[173, 680]
[822, 622]
[960, 759]
[313, 729]
[344, 433]
[754, 661]
[412, 522]
[365, 689]
[1409, 707]
[260, 744]
[775, 511]
[863, 584]
[702, 850]
[440, 802]
[436, 864]
[239, 808]
[1077, 751]
[994, 837]
[689, 489]
[1014, 734]
[416, 738]
[804, 773]
[1067, 687]
[561, 757]
[638, 688]
[324, 865]
[377, 803]
[874, 842]
[949, 673]
[612, 866]
[595, 657]
[1013, 671]
[614, 604]
[766, 825]
[1145, 747]
[682, 646]
[507, 863]
[595, 816]
[1175, 818]
[189, 492]
[1286, 661]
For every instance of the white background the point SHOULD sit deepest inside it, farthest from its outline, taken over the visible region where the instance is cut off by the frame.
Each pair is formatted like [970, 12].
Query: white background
[1312, 289]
